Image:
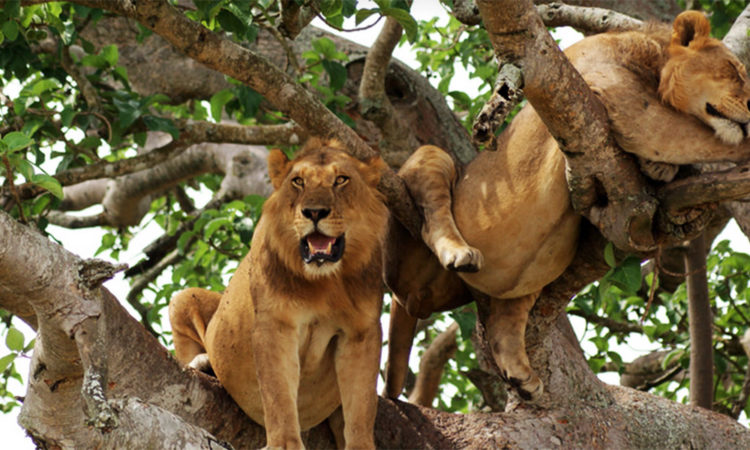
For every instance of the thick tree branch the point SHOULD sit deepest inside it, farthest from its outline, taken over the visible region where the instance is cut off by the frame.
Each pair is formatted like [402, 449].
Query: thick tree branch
[578, 121]
[398, 140]
[701, 324]
[658, 10]
[260, 74]
[587, 20]
[711, 187]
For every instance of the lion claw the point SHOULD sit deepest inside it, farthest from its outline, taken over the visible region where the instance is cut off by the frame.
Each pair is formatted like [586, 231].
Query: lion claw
[462, 259]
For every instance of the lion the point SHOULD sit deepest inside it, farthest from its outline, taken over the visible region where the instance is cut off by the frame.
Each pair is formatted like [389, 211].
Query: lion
[297, 332]
[504, 226]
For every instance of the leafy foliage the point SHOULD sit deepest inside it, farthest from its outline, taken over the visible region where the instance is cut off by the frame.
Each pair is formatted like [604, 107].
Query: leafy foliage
[619, 297]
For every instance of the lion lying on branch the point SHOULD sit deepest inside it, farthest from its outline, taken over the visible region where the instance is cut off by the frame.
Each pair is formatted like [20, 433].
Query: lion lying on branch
[297, 332]
[504, 224]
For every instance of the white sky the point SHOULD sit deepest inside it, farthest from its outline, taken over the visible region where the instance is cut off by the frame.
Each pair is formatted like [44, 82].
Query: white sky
[85, 242]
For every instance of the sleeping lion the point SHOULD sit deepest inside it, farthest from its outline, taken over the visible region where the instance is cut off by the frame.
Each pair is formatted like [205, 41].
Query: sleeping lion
[297, 332]
[505, 221]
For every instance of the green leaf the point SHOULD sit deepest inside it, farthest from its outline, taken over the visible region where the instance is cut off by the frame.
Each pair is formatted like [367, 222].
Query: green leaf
[331, 7]
[218, 100]
[363, 14]
[12, 8]
[325, 47]
[14, 339]
[161, 124]
[44, 85]
[609, 255]
[348, 8]
[214, 225]
[14, 141]
[676, 353]
[110, 54]
[336, 72]
[183, 241]
[129, 110]
[23, 166]
[208, 8]
[405, 20]
[249, 99]
[230, 22]
[49, 183]
[466, 322]
[6, 361]
[10, 30]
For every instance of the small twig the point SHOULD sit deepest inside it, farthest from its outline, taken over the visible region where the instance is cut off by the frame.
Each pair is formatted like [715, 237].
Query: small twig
[291, 57]
[337, 28]
[612, 325]
[654, 282]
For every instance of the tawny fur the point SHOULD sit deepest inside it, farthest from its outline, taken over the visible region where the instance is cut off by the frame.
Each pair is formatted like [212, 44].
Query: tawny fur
[290, 341]
[511, 212]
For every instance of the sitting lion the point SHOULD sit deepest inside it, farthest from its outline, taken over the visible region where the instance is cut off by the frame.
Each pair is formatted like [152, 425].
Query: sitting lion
[297, 331]
[505, 221]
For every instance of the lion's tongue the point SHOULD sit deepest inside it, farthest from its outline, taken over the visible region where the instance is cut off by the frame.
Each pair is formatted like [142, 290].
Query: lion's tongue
[320, 243]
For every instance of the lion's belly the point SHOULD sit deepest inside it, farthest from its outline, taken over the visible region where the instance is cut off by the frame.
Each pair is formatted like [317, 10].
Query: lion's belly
[513, 205]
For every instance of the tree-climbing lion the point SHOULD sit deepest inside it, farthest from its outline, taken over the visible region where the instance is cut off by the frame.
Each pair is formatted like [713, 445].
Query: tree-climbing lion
[297, 334]
[504, 223]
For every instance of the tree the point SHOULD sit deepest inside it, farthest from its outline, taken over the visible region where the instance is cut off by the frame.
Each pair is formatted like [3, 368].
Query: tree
[110, 107]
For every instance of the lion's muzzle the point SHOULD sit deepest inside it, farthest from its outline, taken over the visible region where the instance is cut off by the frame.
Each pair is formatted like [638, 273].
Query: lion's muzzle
[319, 248]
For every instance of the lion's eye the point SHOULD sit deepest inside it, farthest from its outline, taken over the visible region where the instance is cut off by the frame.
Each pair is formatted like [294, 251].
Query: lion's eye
[299, 182]
[341, 180]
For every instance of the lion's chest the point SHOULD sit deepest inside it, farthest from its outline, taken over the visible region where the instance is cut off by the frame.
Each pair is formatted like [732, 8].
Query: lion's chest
[316, 345]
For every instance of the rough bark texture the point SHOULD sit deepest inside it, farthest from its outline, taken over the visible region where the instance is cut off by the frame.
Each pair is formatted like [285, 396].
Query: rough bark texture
[701, 325]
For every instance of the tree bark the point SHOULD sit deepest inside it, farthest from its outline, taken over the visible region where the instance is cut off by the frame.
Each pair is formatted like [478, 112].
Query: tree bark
[701, 325]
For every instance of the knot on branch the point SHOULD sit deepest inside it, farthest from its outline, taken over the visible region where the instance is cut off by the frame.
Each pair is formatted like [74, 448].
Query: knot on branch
[93, 272]
[507, 93]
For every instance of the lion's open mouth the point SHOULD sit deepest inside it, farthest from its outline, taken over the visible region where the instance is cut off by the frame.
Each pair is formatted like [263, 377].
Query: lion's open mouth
[319, 248]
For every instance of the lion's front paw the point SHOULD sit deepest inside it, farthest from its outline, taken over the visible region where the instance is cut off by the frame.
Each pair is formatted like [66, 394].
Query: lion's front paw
[461, 258]
[530, 389]
[658, 170]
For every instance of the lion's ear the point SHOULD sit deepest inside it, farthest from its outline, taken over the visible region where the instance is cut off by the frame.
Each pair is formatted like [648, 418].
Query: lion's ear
[690, 28]
[278, 167]
[372, 170]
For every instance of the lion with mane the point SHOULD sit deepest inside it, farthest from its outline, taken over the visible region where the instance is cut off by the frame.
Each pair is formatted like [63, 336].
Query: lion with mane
[504, 226]
[297, 332]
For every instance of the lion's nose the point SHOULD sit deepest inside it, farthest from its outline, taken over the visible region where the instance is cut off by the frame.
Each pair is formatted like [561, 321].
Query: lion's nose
[316, 214]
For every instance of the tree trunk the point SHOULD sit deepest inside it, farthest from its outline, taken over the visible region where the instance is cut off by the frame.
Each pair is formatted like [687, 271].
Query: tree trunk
[701, 324]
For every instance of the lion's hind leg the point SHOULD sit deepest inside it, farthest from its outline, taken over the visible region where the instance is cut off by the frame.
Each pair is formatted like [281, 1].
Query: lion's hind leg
[190, 310]
[429, 175]
[506, 330]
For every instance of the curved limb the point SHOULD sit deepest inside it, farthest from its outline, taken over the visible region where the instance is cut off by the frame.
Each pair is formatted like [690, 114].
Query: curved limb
[400, 336]
[190, 310]
[506, 330]
[429, 175]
